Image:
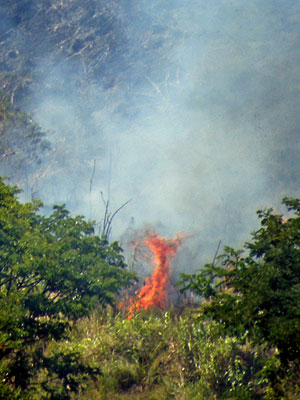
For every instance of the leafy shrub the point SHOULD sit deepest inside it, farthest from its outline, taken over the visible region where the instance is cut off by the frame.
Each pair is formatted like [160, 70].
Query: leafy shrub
[53, 270]
[156, 352]
[257, 294]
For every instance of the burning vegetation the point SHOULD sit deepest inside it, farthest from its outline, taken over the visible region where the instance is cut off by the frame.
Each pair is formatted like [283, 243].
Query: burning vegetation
[154, 292]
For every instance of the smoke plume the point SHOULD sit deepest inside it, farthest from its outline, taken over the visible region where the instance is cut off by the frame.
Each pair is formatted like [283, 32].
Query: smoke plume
[190, 109]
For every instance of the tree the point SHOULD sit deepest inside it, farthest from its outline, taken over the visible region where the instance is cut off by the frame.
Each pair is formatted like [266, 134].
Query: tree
[53, 270]
[23, 145]
[256, 291]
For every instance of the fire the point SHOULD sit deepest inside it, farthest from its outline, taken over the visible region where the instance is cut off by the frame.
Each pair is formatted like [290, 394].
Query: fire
[154, 292]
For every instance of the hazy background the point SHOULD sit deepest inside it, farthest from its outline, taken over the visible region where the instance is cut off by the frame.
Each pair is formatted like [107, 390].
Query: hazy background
[189, 108]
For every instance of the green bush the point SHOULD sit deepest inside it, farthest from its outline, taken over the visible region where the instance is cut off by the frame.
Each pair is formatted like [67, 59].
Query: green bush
[53, 270]
[255, 293]
[161, 352]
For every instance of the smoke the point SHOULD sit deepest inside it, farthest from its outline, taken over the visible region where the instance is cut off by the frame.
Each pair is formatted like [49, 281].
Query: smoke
[191, 109]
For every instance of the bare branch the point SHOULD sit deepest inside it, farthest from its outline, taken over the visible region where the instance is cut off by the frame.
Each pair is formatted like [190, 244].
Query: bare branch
[217, 251]
[108, 216]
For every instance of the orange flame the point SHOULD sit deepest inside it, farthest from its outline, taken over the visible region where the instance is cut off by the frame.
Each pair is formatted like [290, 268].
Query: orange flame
[154, 292]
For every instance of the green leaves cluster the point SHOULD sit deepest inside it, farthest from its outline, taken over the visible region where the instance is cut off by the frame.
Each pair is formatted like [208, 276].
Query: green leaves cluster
[255, 292]
[53, 270]
[161, 355]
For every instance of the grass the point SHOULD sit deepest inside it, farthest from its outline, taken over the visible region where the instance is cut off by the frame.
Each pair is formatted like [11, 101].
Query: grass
[163, 355]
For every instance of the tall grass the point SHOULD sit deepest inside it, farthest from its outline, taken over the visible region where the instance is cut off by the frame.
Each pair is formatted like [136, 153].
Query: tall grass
[163, 355]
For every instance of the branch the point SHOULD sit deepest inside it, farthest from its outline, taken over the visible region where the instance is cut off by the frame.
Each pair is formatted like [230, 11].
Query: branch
[108, 217]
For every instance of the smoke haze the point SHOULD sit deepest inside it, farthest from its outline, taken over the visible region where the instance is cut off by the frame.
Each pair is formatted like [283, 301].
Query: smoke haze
[190, 109]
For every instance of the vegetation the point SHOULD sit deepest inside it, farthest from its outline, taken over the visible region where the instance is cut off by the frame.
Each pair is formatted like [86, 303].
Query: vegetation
[61, 336]
[54, 270]
[255, 293]
[61, 333]
[23, 146]
[163, 355]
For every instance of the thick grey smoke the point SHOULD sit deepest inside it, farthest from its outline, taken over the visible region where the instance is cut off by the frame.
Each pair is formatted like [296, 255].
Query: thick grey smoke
[194, 114]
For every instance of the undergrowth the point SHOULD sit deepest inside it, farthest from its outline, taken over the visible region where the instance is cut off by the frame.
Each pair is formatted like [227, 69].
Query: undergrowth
[163, 355]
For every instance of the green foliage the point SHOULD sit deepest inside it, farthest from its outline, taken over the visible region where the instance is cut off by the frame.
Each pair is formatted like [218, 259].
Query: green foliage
[242, 343]
[53, 270]
[256, 292]
[163, 356]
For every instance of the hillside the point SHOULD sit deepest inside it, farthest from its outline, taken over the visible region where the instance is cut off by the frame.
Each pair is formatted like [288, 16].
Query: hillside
[85, 73]
[183, 116]
[160, 103]
[94, 43]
